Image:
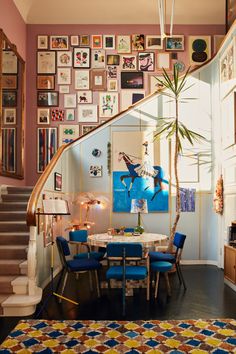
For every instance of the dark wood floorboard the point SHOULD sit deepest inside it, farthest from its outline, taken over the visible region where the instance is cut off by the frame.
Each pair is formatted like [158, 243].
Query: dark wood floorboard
[206, 297]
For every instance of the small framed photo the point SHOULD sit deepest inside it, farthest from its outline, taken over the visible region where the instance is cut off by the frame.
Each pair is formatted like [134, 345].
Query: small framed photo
[9, 82]
[47, 99]
[138, 42]
[84, 97]
[64, 58]
[175, 43]
[153, 42]
[9, 62]
[112, 72]
[87, 128]
[59, 42]
[112, 85]
[70, 114]
[128, 62]
[64, 89]
[98, 80]
[9, 116]
[45, 82]
[146, 61]
[64, 76]
[70, 100]
[132, 80]
[113, 59]
[87, 113]
[57, 181]
[98, 58]
[43, 116]
[123, 44]
[74, 41]
[95, 171]
[96, 41]
[81, 58]
[163, 61]
[46, 62]
[84, 40]
[42, 42]
[82, 80]
[109, 41]
[108, 104]
[9, 98]
[58, 115]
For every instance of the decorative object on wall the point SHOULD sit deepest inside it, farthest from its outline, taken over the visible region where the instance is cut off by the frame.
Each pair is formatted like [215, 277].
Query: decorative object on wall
[84, 97]
[87, 113]
[43, 116]
[47, 99]
[58, 115]
[98, 80]
[180, 66]
[70, 100]
[175, 43]
[68, 133]
[113, 59]
[108, 104]
[146, 61]
[109, 158]
[123, 44]
[111, 71]
[9, 116]
[95, 171]
[42, 42]
[163, 61]
[9, 62]
[96, 41]
[8, 149]
[64, 58]
[46, 147]
[109, 41]
[45, 82]
[96, 152]
[218, 201]
[9, 98]
[132, 80]
[84, 40]
[9, 82]
[59, 42]
[74, 40]
[137, 41]
[129, 97]
[187, 199]
[57, 181]
[227, 62]
[98, 58]
[199, 49]
[46, 62]
[87, 128]
[128, 62]
[70, 114]
[64, 76]
[112, 85]
[81, 58]
[82, 80]
[153, 42]
[230, 13]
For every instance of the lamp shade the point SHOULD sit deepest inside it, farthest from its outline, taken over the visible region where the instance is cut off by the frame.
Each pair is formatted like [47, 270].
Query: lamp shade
[139, 206]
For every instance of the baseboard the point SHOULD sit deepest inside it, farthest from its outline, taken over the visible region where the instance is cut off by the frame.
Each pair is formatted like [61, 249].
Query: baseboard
[231, 285]
[198, 262]
[48, 279]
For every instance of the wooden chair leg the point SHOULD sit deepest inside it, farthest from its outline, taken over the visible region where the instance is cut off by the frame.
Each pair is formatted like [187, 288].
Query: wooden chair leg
[60, 279]
[90, 281]
[157, 282]
[167, 283]
[97, 283]
[64, 284]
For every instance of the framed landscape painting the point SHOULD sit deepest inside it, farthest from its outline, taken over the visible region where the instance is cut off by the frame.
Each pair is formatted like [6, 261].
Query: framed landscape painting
[132, 80]
[153, 42]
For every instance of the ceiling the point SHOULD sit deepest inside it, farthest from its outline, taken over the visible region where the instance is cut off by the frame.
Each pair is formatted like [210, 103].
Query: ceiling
[119, 11]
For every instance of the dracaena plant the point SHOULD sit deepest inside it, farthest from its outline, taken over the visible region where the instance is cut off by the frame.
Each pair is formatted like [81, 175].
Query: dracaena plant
[173, 128]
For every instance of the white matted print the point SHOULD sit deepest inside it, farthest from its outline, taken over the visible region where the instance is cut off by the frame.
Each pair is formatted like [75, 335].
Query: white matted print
[81, 58]
[98, 58]
[64, 89]
[9, 62]
[70, 114]
[128, 62]
[95, 171]
[70, 100]
[153, 42]
[74, 40]
[82, 79]
[84, 97]
[87, 113]
[42, 42]
[68, 133]
[43, 116]
[9, 116]
[112, 85]
[63, 76]
[108, 104]
[163, 61]
[123, 44]
[59, 42]
[129, 97]
[64, 58]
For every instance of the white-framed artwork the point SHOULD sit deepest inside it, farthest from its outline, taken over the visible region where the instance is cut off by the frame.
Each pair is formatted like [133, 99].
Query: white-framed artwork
[68, 133]
[163, 61]
[98, 58]
[129, 97]
[123, 44]
[109, 41]
[70, 100]
[146, 61]
[64, 89]
[108, 104]
[95, 171]
[153, 42]
[112, 85]
[84, 97]
[63, 76]
[74, 40]
[81, 57]
[64, 58]
[87, 113]
[46, 62]
[42, 42]
[128, 62]
[43, 116]
[58, 42]
[82, 79]
[9, 62]
[70, 114]
[9, 116]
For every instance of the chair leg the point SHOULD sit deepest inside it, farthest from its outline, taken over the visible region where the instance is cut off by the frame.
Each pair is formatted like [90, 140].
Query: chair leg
[64, 284]
[97, 283]
[178, 273]
[181, 275]
[90, 281]
[157, 282]
[123, 297]
[60, 279]
[148, 286]
[167, 283]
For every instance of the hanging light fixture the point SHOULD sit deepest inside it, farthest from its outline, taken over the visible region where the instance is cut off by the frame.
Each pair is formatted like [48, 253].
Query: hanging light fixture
[162, 17]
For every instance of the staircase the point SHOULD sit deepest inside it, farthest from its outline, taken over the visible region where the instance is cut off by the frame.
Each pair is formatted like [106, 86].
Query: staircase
[14, 239]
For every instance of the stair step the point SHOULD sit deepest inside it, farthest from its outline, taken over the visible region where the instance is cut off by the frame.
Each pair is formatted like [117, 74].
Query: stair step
[5, 284]
[15, 239]
[15, 197]
[19, 190]
[7, 206]
[12, 215]
[13, 252]
[7, 226]
[10, 266]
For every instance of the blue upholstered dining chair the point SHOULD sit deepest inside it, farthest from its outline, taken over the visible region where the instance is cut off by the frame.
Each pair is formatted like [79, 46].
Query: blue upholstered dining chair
[124, 253]
[79, 237]
[74, 265]
[178, 242]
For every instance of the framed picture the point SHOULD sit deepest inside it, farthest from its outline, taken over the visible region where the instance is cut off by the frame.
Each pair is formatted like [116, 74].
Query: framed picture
[46, 62]
[153, 42]
[58, 115]
[82, 80]
[112, 72]
[47, 99]
[123, 44]
[128, 62]
[59, 42]
[9, 150]
[9, 82]
[230, 13]
[9, 62]
[70, 114]
[74, 41]
[217, 40]
[84, 97]
[70, 100]
[81, 58]
[137, 41]
[146, 61]
[64, 89]
[96, 41]
[68, 133]
[129, 97]
[109, 41]
[9, 116]
[43, 116]
[131, 80]
[98, 58]
[112, 85]
[57, 181]
[46, 147]
[95, 171]
[227, 63]
[64, 58]
[113, 59]
[108, 104]
[64, 76]
[42, 42]
[154, 85]
[98, 80]
[175, 43]
[199, 49]
[9, 98]
[163, 61]
[45, 82]
[87, 128]
[87, 113]
[84, 40]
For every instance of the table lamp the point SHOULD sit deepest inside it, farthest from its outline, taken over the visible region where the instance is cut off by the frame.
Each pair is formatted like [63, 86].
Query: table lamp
[139, 206]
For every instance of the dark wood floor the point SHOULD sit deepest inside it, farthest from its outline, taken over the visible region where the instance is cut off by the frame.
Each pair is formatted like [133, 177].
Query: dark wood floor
[206, 297]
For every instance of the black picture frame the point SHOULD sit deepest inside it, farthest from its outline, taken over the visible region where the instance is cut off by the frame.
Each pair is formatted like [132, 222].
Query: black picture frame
[9, 98]
[230, 13]
[57, 181]
[47, 98]
[81, 57]
[132, 80]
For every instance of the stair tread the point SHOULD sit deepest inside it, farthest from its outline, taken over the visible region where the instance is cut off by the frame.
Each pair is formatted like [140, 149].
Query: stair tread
[7, 278]
[13, 247]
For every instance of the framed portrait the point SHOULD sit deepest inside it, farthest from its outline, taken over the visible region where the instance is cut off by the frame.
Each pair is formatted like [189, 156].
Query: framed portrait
[70, 100]
[112, 85]
[46, 147]
[68, 133]
[64, 89]
[9, 116]
[9, 150]
[9, 82]
[64, 76]
[84, 40]
[146, 61]
[70, 114]
[64, 58]
[59, 42]
[163, 61]
[57, 181]
[87, 128]
[123, 44]
[87, 113]
[47, 99]
[109, 41]
[98, 58]
[128, 62]
[175, 43]
[57, 115]
[42, 42]
[199, 49]
[74, 41]
[108, 104]
[46, 62]
[138, 42]
[82, 79]
[81, 58]
[43, 116]
[9, 62]
[113, 59]
[230, 13]
[98, 80]
[131, 80]
[96, 40]
[9, 98]
[84, 97]
[112, 72]
[153, 42]
[129, 97]
[45, 82]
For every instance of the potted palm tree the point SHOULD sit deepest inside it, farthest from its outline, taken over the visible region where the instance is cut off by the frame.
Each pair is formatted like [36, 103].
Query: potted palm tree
[172, 127]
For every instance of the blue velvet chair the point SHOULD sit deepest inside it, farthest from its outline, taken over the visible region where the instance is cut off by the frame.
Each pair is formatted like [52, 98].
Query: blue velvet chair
[179, 240]
[79, 237]
[74, 265]
[124, 253]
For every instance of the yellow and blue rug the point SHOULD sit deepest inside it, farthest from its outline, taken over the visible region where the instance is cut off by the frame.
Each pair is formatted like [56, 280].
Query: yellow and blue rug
[114, 337]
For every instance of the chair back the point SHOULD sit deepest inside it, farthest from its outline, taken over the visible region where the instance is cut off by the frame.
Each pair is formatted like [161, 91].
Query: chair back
[178, 242]
[117, 250]
[78, 235]
[63, 249]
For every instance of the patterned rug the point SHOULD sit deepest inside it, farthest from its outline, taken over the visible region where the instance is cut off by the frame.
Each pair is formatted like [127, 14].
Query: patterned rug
[114, 337]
